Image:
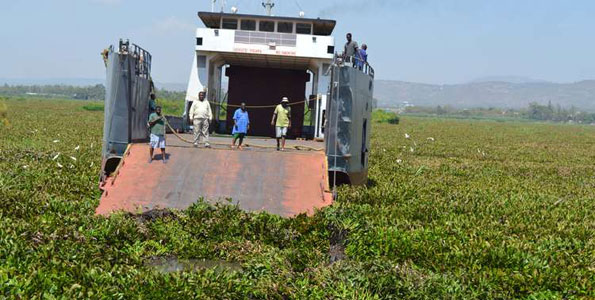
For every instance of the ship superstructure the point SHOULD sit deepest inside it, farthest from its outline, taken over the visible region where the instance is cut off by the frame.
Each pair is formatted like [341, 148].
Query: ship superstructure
[263, 59]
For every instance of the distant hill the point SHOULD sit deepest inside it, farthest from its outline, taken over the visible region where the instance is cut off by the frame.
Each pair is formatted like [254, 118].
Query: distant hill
[486, 94]
[510, 79]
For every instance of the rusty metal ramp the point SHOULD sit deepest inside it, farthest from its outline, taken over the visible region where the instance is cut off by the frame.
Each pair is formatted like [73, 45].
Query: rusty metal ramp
[257, 179]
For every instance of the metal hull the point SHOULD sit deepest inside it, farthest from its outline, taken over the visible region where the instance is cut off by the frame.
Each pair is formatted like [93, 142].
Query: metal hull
[128, 86]
[349, 106]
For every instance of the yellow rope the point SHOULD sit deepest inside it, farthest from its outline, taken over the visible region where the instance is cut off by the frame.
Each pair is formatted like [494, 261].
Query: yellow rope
[296, 147]
[262, 106]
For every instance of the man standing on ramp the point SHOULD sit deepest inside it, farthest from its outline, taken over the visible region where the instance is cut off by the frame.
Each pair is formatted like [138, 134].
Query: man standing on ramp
[157, 127]
[201, 116]
[282, 115]
[241, 124]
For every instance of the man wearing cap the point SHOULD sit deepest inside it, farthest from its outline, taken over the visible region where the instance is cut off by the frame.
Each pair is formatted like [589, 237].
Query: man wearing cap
[282, 121]
[157, 127]
[201, 116]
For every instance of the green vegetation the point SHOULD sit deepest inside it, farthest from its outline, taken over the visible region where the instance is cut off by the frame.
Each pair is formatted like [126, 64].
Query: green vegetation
[459, 210]
[3, 113]
[385, 116]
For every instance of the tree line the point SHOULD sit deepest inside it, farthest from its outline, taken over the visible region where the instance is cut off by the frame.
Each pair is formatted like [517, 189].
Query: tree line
[535, 111]
[94, 92]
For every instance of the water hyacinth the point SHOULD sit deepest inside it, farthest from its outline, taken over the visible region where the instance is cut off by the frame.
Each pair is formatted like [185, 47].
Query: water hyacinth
[447, 224]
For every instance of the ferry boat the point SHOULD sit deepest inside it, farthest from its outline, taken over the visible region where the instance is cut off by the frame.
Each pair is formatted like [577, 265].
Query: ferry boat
[256, 59]
[264, 58]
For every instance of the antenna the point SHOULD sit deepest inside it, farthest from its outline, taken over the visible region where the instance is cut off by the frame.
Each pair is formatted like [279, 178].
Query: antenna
[268, 6]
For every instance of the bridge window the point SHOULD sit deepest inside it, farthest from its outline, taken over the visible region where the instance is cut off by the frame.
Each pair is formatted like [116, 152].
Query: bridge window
[230, 24]
[303, 28]
[248, 25]
[268, 26]
[285, 27]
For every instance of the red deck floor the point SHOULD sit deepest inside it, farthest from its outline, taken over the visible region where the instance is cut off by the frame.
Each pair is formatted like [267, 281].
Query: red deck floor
[258, 179]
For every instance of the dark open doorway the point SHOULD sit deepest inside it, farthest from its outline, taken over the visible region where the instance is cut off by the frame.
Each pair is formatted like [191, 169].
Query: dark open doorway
[266, 87]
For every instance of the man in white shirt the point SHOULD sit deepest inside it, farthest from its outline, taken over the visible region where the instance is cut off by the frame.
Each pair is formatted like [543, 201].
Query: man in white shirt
[201, 116]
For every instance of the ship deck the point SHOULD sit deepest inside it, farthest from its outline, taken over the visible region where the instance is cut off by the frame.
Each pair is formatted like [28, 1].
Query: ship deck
[258, 178]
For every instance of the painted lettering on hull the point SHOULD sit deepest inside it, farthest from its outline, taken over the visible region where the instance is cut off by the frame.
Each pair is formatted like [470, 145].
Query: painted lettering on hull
[259, 51]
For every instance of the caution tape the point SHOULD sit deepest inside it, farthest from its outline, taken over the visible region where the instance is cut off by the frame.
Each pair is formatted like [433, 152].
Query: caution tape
[257, 106]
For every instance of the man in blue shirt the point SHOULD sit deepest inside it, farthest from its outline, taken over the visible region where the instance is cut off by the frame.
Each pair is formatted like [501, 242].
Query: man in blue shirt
[363, 56]
[241, 124]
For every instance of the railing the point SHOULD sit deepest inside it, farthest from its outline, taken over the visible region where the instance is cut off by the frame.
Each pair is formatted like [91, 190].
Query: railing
[355, 62]
[265, 38]
[143, 58]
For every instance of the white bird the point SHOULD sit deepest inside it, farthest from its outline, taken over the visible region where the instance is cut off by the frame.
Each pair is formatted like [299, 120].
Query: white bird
[55, 141]
[73, 158]
[399, 161]
[407, 136]
[56, 156]
[25, 166]
[77, 147]
[431, 139]
[59, 165]
[411, 149]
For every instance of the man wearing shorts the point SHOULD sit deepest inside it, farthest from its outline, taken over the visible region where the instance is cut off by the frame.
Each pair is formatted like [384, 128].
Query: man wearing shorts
[157, 127]
[241, 124]
[282, 121]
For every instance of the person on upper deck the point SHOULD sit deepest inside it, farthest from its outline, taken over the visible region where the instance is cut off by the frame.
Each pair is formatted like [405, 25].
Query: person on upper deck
[282, 121]
[351, 48]
[201, 116]
[363, 56]
[241, 124]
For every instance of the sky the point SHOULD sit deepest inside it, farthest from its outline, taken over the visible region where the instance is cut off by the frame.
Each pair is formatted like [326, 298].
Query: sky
[426, 41]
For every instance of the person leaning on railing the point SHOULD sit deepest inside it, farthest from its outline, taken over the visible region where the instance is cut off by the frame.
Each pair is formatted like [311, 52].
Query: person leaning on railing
[362, 57]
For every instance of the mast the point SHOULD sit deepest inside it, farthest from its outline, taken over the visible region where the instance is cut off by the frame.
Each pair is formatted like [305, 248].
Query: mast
[213, 5]
[268, 6]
